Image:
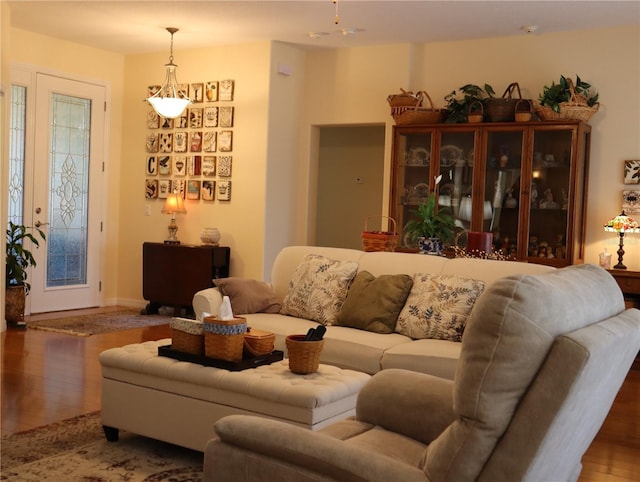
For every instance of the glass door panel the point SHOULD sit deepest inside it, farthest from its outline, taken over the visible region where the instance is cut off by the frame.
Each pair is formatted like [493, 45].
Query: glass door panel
[456, 157]
[500, 213]
[550, 191]
[411, 184]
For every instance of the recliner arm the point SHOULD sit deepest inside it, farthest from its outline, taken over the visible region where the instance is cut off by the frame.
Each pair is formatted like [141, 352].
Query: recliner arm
[414, 404]
[314, 451]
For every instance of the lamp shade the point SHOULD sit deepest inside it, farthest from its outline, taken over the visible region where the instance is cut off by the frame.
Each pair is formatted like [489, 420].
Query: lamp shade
[174, 204]
[622, 224]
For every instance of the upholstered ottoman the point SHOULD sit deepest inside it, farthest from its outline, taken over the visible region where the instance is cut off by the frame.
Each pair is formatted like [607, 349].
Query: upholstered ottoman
[178, 402]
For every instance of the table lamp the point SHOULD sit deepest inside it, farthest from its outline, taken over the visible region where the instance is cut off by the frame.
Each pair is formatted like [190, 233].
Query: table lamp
[621, 224]
[173, 205]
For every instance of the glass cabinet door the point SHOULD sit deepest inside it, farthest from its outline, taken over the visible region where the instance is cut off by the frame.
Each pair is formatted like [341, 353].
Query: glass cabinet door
[502, 186]
[456, 157]
[411, 183]
[549, 195]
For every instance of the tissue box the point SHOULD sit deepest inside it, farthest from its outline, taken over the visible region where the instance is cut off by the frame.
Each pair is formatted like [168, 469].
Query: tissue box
[224, 339]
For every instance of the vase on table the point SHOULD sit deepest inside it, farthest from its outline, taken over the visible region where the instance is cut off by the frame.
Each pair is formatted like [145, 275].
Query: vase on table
[430, 245]
[210, 236]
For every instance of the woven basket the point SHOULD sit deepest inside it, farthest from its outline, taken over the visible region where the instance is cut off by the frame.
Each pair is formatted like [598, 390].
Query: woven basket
[504, 109]
[406, 99]
[476, 112]
[380, 240]
[524, 111]
[259, 342]
[576, 108]
[304, 356]
[224, 339]
[417, 114]
[187, 336]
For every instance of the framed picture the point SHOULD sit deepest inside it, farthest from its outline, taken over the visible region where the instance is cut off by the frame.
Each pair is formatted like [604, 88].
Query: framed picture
[226, 116]
[225, 89]
[194, 165]
[632, 172]
[193, 189]
[211, 90]
[196, 92]
[224, 190]
[152, 166]
[208, 192]
[153, 119]
[152, 90]
[182, 122]
[195, 117]
[195, 142]
[183, 90]
[209, 142]
[164, 165]
[166, 123]
[151, 189]
[179, 186]
[209, 166]
[152, 143]
[180, 166]
[211, 116]
[225, 141]
[224, 166]
[631, 202]
[166, 142]
[164, 187]
[180, 141]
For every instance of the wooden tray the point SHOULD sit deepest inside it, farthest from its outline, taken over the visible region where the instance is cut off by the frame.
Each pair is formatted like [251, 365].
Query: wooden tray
[243, 364]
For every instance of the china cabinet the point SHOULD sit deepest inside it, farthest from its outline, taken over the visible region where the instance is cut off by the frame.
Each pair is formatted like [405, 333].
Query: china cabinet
[526, 183]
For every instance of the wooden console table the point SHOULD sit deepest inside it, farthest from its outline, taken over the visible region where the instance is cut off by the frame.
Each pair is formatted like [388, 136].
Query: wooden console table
[629, 282]
[173, 273]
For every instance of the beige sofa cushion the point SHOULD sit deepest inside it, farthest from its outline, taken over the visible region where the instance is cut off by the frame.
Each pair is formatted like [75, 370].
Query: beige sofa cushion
[438, 306]
[248, 295]
[318, 288]
[435, 357]
[373, 303]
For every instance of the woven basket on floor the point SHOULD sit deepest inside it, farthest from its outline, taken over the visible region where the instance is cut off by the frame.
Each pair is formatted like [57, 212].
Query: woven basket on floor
[187, 336]
[380, 240]
[224, 339]
[259, 342]
[304, 356]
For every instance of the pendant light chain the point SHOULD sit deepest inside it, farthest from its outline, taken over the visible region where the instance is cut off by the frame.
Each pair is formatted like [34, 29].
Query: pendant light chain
[337, 17]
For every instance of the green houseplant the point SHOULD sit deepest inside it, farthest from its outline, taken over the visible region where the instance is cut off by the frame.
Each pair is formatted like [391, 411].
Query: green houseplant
[19, 259]
[553, 95]
[432, 226]
[458, 104]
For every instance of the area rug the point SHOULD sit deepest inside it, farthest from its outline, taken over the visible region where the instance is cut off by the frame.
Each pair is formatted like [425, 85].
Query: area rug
[76, 450]
[87, 325]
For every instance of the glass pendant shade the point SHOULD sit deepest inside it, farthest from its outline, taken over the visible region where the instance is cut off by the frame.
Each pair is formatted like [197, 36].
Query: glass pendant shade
[170, 101]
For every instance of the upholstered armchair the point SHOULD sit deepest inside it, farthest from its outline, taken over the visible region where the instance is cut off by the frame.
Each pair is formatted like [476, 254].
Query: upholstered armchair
[543, 357]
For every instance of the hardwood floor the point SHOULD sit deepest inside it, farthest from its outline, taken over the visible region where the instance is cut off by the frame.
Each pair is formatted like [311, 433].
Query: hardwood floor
[48, 377]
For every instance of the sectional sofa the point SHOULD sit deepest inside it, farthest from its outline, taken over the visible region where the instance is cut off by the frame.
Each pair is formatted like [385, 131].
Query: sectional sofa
[352, 341]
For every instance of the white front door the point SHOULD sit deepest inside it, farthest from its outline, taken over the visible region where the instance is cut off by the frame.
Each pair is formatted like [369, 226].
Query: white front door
[67, 193]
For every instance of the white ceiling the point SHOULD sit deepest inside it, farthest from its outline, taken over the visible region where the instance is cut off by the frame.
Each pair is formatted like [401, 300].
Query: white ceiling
[138, 26]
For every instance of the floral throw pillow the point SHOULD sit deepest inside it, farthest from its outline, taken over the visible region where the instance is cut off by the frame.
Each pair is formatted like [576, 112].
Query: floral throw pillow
[438, 306]
[318, 288]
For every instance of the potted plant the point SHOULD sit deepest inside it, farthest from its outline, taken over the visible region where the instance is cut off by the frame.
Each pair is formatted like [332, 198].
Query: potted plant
[567, 95]
[458, 108]
[432, 226]
[18, 260]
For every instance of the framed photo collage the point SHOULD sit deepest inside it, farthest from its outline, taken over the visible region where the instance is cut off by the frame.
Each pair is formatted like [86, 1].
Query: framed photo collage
[192, 154]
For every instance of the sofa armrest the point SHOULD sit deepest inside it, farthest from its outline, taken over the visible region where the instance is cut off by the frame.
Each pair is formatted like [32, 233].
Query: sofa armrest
[312, 451]
[207, 301]
[414, 404]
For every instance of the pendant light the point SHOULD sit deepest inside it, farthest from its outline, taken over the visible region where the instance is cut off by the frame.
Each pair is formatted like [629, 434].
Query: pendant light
[170, 101]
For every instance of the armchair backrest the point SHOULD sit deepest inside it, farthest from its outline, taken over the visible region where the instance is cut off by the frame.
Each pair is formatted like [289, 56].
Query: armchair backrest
[534, 353]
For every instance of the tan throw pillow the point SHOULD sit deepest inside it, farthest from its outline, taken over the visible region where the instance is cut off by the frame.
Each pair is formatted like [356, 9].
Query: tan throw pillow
[248, 295]
[438, 306]
[373, 304]
[318, 288]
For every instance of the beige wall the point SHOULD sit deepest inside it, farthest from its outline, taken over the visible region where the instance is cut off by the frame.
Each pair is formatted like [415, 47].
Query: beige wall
[359, 80]
[277, 118]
